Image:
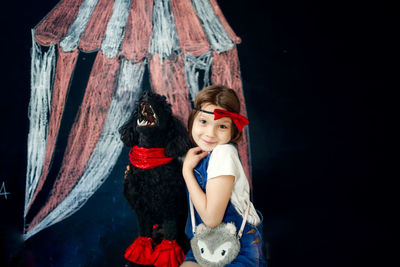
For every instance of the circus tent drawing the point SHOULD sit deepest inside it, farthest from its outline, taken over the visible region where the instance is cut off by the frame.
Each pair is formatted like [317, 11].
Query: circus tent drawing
[182, 44]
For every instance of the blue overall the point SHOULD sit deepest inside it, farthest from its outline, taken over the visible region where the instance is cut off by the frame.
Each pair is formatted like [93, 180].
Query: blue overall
[252, 247]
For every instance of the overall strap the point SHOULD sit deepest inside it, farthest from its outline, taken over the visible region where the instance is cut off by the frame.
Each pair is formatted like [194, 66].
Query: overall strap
[240, 233]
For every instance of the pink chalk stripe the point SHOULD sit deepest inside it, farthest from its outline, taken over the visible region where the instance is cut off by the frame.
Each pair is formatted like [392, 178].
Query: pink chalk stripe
[96, 28]
[168, 78]
[56, 24]
[226, 25]
[138, 30]
[192, 38]
[85, 132]
[65, 66]
[226, 71]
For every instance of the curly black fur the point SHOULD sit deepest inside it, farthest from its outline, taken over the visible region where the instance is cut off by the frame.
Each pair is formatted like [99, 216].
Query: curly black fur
[158, 195]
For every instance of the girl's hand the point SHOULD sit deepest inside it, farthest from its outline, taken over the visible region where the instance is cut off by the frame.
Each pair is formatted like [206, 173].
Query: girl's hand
[192, 158]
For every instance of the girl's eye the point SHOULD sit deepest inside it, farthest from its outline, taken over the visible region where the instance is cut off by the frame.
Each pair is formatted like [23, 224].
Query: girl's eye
[203, 121]
[223, 126]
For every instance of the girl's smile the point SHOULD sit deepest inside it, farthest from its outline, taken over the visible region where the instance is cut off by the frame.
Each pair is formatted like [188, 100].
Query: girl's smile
[207, 132]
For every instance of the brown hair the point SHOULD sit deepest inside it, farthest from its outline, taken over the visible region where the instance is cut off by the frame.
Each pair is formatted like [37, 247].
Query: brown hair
[220, 96]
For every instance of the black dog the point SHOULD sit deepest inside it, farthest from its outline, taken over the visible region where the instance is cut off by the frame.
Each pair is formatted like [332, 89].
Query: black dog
[156, 194]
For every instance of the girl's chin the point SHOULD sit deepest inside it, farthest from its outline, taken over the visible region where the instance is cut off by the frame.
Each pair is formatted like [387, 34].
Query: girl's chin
[207, 147]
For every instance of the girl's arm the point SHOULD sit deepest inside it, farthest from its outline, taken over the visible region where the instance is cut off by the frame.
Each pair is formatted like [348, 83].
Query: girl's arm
[211, 205]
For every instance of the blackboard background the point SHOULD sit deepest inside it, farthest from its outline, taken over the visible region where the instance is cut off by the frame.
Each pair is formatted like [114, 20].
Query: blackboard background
[312, 79]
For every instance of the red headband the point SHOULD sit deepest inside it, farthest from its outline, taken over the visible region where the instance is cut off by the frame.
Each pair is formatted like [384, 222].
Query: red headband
[239, 120]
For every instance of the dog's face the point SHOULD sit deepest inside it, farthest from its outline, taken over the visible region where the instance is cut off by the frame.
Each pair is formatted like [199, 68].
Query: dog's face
[152, 114]
[152, 124]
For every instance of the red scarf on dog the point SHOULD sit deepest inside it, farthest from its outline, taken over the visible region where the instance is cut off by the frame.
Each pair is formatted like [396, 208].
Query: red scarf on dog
[148, 158]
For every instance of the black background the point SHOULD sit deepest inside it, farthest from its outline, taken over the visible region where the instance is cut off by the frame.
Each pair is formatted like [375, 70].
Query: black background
[312, 79]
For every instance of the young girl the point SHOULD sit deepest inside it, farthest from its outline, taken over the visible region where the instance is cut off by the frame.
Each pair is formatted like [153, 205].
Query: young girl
[214, 175]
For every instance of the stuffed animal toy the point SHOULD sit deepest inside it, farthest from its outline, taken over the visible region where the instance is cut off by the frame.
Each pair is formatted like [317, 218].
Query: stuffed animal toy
[153, 183]
[215, 247]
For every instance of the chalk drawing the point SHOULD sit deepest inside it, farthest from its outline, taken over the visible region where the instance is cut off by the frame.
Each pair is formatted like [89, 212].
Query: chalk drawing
[3, 191]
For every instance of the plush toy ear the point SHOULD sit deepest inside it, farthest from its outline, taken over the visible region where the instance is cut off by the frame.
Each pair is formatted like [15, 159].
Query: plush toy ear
[201, 228]
[178, 142]
[231, 228]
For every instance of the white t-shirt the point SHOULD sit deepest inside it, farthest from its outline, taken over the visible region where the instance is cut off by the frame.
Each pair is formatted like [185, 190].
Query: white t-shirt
[224, 160]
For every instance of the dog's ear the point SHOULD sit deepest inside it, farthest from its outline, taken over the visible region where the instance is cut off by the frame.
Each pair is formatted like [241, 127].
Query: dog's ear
[177, 143]
[128, 133]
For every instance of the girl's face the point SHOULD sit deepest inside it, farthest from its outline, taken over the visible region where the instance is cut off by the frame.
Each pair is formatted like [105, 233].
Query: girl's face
[207, 132]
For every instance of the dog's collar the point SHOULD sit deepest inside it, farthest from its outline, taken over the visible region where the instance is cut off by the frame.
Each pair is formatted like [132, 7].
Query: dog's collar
[148, 158]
